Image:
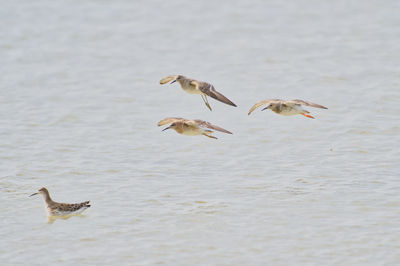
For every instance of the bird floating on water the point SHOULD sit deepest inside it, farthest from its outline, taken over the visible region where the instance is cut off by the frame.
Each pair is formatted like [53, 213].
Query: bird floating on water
[60, 209]
[191, 127]
[287, 108]
[198, 87]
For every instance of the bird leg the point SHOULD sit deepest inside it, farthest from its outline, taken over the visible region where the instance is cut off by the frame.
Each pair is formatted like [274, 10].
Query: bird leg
[205, 100]
[309, 116]
[204, 134]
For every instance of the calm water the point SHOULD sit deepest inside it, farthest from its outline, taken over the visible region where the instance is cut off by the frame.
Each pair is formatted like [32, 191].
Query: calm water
[79, 103]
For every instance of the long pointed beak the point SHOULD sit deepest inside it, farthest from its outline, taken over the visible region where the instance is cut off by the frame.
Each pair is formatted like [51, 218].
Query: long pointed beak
[33, 194]
[166, 128]
[173, 81]
[264, 109]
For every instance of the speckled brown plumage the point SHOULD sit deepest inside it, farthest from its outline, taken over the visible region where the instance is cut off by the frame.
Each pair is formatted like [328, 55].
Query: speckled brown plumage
[61, 209]
[198, 87]
[287, 108]
[191, 127]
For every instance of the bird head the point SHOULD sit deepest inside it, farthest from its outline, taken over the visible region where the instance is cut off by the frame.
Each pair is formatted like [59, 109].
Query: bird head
[42, 191]
[173, 125]
[269, 106]
[178, 78]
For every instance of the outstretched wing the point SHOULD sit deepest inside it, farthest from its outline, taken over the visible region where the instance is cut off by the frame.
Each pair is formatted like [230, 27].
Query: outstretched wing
[206, 124]
[307, 103]
[168, 79]
[170, 120]
[262, 103]
[209, 90]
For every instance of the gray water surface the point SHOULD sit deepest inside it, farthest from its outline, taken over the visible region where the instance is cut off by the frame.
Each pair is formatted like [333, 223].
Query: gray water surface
[79, 104]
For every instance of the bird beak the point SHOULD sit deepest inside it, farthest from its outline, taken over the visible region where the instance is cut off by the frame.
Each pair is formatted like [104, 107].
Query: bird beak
[166, 128]
[173, 81]
[33, 194]
[264, 108]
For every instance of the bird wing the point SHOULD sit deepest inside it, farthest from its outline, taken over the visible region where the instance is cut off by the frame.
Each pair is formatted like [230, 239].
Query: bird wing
[170, 120]
[210, 126]
[262, 103]
[301, 102]
[209, 90]
[168, 79]
[66, 207]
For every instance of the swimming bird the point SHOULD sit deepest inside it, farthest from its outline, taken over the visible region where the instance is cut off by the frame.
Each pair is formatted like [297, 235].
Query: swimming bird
[287, 108]
[60, 209]
[198, 87]
[191, 127]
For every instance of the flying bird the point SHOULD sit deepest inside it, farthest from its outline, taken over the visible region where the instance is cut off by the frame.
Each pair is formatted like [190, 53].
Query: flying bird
[191, 127]
[287, 108]
[60, 209]
[192, 86]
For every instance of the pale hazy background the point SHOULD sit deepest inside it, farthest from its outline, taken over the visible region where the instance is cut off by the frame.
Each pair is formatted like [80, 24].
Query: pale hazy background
[79, 103]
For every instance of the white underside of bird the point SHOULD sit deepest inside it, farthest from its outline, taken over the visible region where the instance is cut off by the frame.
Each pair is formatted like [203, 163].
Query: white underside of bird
[192, 90]
[52, 212]
[294, 110]
[192, 130]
